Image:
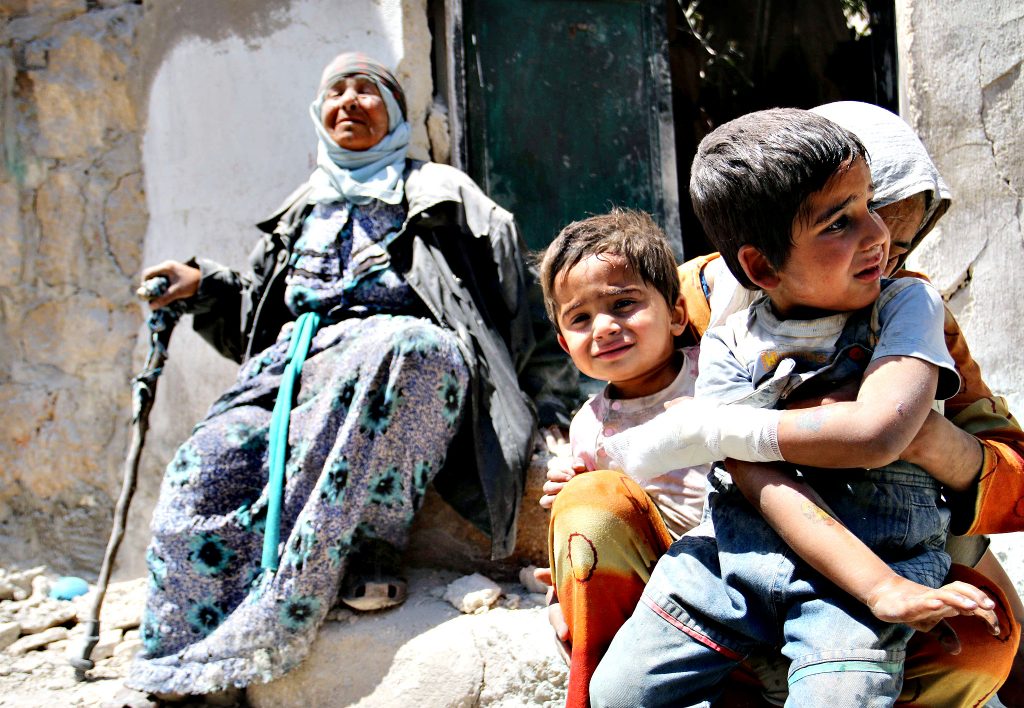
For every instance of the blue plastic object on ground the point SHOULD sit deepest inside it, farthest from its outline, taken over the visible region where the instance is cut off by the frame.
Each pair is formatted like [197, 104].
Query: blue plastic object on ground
[68, 587]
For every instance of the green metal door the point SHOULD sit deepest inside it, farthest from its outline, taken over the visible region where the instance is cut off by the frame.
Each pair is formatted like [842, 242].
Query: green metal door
[569, 110]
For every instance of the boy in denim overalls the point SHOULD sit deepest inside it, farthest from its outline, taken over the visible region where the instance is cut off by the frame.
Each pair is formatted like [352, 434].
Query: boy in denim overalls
[785, 196]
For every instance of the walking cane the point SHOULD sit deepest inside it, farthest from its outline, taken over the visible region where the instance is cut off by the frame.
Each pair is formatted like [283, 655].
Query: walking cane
[161, 323]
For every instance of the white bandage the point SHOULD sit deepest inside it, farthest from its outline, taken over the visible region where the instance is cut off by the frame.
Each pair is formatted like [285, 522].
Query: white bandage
[748, 434]
[695, 432]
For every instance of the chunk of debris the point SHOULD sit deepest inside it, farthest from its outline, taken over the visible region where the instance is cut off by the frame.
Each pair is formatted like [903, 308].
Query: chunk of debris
[472, 594]
[36, 641]
[530, 582]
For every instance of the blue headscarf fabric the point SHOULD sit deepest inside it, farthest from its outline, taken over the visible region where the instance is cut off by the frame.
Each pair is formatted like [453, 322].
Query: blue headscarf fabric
[360, 176]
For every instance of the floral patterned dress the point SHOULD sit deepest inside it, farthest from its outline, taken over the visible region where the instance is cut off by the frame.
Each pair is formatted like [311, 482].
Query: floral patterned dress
[379, 400]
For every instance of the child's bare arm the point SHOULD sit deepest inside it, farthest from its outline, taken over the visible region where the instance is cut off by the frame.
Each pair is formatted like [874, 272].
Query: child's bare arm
[948, 453]
[799, 516]
[895, 396]
[893, 401]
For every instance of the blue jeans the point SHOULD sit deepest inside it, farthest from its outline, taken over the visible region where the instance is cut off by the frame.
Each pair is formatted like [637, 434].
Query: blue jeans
[714, 600]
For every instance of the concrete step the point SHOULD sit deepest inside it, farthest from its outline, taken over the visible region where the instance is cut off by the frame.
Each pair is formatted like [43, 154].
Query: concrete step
[427, 653]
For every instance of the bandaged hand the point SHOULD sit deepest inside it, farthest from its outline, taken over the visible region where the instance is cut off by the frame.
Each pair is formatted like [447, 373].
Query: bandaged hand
[695, 432]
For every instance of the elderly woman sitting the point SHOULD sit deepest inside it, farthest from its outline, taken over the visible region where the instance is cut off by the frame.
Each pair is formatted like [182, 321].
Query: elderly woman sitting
[411, 296]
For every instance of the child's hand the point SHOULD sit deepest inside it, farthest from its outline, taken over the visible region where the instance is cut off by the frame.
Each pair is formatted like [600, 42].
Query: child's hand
[555, 616]
[556, 441]
[900, 600]
[560, 471]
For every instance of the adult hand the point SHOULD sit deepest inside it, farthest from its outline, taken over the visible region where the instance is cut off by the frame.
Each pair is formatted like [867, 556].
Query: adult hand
[182, 282]
[951, 455]
[560, 470]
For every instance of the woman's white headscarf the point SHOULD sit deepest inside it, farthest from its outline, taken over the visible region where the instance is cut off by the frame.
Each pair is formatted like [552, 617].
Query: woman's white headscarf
[900, 165]
[359, 176]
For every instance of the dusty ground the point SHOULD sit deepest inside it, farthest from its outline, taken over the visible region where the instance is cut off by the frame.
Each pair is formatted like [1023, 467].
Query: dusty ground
[43, 677]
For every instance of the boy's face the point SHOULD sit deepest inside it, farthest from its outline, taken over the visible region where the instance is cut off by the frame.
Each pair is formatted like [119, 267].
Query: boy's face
[616, 327]
[839, 250]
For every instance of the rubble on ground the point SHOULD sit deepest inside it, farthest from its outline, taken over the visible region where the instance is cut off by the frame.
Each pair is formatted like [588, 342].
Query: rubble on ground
[496, 652]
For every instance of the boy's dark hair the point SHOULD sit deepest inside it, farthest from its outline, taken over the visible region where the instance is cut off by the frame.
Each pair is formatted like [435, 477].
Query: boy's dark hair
[751, 178]
[630, 234]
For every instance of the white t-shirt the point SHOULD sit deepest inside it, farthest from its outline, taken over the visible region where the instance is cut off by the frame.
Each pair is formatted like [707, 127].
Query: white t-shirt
[679, 494]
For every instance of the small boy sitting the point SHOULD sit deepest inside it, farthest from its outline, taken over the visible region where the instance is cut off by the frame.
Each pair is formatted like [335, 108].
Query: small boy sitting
[785, 196]
[611, 290]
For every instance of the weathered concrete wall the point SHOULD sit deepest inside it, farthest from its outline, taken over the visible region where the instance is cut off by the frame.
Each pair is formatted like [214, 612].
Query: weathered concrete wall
[963, 92]
[72, 216]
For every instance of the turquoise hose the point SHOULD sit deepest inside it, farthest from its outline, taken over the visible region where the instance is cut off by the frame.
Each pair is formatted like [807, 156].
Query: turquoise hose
[302, 335]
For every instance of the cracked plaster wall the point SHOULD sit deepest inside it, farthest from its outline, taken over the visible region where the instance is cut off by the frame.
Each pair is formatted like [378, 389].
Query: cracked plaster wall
[227, 138]
[963, 92]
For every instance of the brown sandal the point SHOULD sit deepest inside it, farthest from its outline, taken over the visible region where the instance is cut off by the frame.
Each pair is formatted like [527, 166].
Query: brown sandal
[373, 580]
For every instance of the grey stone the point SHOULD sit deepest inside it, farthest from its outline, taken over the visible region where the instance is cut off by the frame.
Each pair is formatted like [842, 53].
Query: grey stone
[35, 56]
[109, 641]
[127, 649]
[35, 641]
[472, 593]
[500, 658]
[122, 605]
[9, 632]
[530, 582]
[46, 615]
[17, 585]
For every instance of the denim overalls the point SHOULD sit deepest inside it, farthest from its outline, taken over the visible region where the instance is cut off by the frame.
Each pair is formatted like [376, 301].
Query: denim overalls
[732, 588]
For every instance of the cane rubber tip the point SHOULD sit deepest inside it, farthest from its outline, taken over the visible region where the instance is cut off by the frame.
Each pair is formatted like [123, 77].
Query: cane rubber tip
[80, 666]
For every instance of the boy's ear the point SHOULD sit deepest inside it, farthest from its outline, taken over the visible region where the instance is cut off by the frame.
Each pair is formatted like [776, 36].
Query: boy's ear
[757, 268]
[678, 317]
[562, 344]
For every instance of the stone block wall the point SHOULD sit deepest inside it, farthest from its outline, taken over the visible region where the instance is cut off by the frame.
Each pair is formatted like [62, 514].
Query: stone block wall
[72, 219]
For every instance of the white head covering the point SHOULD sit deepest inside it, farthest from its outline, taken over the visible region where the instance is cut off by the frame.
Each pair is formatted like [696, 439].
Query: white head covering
[359, 176]
[900, 165]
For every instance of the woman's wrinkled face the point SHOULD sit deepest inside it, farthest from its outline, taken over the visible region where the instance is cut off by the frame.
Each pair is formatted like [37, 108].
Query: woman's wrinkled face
[903, 219]
[354, 114]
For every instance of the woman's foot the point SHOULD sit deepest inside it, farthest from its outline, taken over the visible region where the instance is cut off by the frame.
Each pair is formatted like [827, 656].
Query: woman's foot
[373, 580]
